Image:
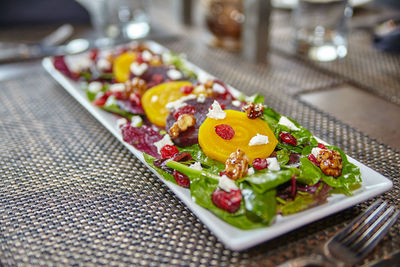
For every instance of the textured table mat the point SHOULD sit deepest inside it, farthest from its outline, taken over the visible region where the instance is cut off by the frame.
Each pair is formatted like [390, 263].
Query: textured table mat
[71, 194]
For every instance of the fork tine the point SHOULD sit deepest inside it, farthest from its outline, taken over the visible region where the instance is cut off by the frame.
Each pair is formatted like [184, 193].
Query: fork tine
[363, 224]
[356, 222]
[380, 233]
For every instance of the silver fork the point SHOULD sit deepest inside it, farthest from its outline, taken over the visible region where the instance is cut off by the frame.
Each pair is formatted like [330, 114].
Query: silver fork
[355, 241]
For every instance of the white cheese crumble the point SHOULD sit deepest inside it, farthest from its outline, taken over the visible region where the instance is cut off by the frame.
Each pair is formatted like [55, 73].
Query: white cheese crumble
[111, 100]
[273, 164]
[146, 55]
[196, 166]
[250, 171]
[180, 102]
[103, 64]
[136, 121]
[201, 98]
[259, 139]
[286, 122]
[315, 151]
[236, 103]
[216, 112]
[117, 87]
[138, 69]
[95, 87]
[218, 88]
[227, 184]
[174, 74]
[166, 140]
[121, 121]
[78, 63]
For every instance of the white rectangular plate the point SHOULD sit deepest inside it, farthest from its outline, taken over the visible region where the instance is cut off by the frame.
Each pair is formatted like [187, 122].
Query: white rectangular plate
[373, 183]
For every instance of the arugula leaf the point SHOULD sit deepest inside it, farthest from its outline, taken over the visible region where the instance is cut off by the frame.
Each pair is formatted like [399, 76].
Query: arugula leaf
[259, 207]
[265, 180]
[283, 156]
[167, 176]
[256, 99]
[309, 173]
[211, 165]
[301, 202]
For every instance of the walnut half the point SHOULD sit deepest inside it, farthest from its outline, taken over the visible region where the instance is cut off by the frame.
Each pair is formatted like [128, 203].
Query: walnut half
[236, 165]
[184, 122]
[253, 111]
[330, 162]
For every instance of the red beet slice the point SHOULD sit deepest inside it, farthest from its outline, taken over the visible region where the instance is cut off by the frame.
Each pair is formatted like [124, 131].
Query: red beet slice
[142, 138]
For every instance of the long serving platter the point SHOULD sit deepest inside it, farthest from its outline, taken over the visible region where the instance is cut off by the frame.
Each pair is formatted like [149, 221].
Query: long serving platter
[234, 238]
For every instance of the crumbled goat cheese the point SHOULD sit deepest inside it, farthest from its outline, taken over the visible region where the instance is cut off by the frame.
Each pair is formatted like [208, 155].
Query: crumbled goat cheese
[201, 98]
[136, 121]
[286, 122]
[95, 87]
[218, 88]
[138, 69]
[166, 140]
[259, 139]
[216, 112]
[315, 151]
[227, 184]
[121, 121]
[236, 103]
[117, 87]
[103, 64]
[250, 171]
[202, 77]
[146, 55]
[196, 166]
[273, 164]
[174, 74]
[180, 102]
[78, 63]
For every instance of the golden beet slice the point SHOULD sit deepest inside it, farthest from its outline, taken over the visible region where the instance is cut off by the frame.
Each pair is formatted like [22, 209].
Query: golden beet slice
[122, 64]
[155, 99]
[218, 148]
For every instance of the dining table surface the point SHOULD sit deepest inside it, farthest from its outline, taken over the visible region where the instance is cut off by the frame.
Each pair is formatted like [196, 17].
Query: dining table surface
[71, 194]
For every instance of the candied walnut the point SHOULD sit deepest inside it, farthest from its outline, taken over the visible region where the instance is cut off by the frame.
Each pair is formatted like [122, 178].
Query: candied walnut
[236, 165]
[330, 162]
[253, 111]
[136, 85]
[184, 122]
[209, 84]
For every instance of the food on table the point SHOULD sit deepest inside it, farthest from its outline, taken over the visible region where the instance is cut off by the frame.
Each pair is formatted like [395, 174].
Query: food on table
[239, 158]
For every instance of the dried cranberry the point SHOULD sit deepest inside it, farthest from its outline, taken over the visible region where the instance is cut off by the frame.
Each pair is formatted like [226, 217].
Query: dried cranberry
[101, 101]
[221, 173]
[186, 109]
[93, 54]
[322, 146]
[224, 131]
[312, 158]
[288, 138]
[260, 164]
[139, 58]
[168, 151]
[181, 179]
[228, 201]
[187, 89]
[226, 94]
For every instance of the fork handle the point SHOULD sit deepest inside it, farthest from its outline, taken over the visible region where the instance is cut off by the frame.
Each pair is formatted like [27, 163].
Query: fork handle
[311, 260]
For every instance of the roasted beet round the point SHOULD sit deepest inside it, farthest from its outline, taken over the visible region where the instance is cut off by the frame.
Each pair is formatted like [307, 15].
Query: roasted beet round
[190, 137]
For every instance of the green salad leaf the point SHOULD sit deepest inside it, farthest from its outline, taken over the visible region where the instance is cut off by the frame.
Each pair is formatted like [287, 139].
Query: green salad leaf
[265, 180]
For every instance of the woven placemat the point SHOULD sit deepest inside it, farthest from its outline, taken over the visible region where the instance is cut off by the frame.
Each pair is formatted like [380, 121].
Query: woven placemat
[71, 194]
